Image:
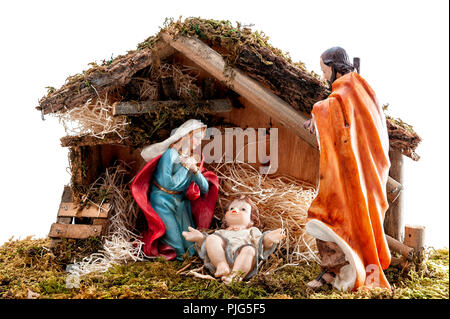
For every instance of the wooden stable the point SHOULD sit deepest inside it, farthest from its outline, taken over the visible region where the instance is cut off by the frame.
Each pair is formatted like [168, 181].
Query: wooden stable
[230, 95]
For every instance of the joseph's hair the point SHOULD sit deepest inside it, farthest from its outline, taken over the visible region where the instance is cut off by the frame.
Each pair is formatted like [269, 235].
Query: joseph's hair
[338, 60]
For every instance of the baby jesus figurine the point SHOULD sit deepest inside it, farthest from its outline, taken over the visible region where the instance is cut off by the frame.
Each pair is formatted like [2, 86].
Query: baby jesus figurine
[239, 249]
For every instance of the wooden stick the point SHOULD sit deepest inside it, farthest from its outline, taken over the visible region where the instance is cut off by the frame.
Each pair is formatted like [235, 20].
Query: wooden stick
[400, 248]
[401, 263]
[135, 108]
[261, 97]
[184, 268]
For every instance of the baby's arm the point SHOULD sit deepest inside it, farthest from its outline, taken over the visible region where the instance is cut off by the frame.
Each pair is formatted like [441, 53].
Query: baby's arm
[194, 235]
[273, 237]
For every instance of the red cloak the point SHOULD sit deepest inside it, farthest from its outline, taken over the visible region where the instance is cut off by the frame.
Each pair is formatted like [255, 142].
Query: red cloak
[202, 207]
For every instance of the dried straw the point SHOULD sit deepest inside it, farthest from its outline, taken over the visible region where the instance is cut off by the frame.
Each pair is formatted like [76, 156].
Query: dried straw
[94, 118]
[121, 244]
[148, 89]
[184, 77]
[283, 202]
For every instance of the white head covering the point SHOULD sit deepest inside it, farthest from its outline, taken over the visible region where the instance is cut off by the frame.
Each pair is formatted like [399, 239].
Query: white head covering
[156, 149]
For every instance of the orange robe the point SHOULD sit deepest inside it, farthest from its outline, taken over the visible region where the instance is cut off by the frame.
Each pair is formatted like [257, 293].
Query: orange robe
[354, 166]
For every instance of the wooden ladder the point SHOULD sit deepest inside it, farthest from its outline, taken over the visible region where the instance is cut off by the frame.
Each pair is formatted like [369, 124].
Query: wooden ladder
[72, 223]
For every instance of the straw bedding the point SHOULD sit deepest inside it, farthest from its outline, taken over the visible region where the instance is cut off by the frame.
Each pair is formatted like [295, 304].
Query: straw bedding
[282, 201]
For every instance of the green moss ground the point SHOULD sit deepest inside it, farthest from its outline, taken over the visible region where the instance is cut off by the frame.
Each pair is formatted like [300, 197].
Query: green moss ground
[28, 265]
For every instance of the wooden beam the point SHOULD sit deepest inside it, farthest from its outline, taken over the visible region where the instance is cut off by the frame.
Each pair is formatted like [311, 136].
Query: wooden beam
[261, 97]
[87, 140]
[70, 210]
[74, 231]
[135, 108]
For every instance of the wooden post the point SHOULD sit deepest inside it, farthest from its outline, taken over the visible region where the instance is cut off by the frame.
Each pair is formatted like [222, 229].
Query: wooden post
[415, 238]
[168, 86]
[209, 88]
[393, 217]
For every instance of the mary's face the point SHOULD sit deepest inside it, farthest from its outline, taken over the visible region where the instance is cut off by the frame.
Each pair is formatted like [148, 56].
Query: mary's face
[326, 70]
[196, 138]
[193, 140]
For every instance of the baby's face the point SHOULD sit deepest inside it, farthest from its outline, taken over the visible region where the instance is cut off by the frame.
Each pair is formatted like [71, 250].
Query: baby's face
[238, 214]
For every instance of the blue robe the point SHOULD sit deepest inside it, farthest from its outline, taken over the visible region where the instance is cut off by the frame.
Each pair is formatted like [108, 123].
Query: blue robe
[175, 209]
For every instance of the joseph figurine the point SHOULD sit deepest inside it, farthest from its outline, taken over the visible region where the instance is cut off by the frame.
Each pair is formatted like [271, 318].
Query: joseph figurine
[346, 217]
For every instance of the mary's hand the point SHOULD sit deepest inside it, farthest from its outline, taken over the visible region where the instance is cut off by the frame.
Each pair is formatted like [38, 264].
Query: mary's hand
[190, 163]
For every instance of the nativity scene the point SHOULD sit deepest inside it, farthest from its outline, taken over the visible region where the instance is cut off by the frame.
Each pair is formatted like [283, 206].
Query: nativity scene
[142, 177]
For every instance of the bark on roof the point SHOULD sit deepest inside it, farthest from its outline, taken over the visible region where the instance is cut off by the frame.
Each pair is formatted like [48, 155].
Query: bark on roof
[241, 48]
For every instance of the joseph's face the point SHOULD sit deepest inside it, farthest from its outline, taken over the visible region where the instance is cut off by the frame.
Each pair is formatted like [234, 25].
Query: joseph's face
[326, 70]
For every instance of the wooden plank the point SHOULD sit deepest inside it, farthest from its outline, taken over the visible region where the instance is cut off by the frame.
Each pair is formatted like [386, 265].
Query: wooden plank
[86, 140]
[135, 108]
[261, 97]
[70, 210]
[74, 231]
[103, 222]
[65, 198]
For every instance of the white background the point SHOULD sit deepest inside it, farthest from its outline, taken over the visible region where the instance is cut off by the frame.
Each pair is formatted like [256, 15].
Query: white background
[403, 46]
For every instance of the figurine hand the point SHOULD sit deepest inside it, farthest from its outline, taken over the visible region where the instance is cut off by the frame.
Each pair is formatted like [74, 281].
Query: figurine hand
[309, 125]
[190, 163]
[273, 237]
[193, 235]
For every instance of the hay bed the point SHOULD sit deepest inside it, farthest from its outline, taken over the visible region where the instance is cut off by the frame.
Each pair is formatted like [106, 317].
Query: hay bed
[282, 202]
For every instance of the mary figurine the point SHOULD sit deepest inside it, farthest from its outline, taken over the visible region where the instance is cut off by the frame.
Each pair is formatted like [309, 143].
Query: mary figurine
[175, 192]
